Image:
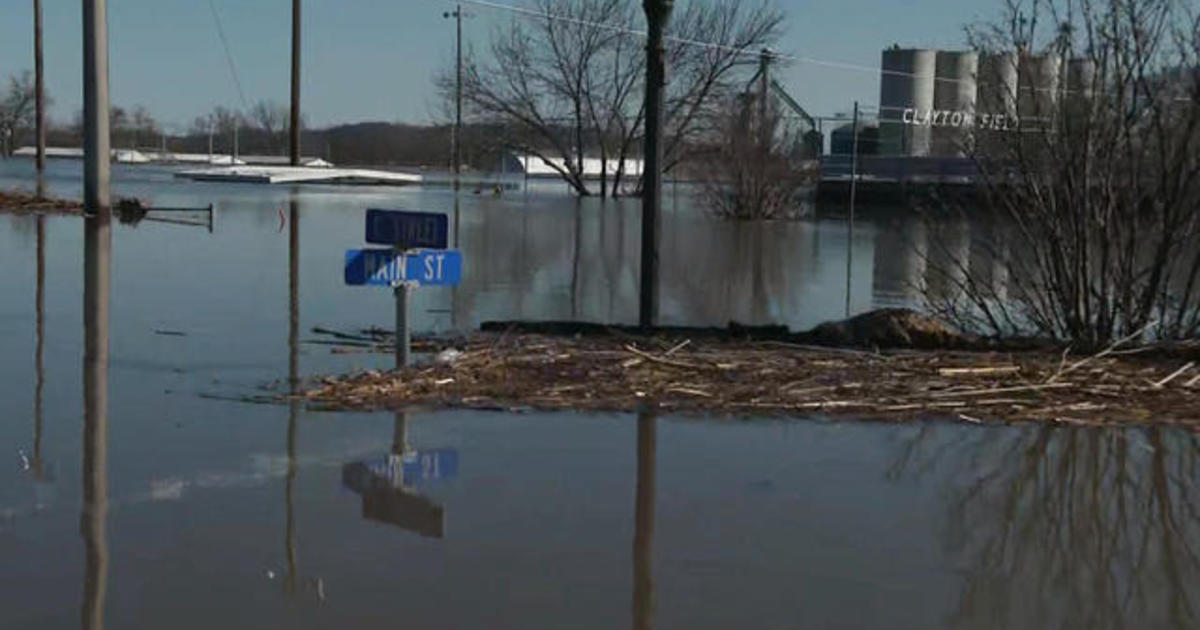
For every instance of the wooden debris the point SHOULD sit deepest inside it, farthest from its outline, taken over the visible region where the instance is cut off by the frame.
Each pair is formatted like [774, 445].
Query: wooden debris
[1174, 375]
[979, 371]
[617, 373]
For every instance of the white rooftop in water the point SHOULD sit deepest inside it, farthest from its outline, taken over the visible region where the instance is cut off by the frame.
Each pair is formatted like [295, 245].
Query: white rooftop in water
[299, 174]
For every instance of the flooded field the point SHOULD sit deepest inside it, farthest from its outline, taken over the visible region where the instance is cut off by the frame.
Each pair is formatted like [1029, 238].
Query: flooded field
[194, 511]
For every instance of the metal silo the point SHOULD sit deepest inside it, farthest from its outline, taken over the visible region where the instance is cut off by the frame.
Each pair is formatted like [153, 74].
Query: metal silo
[954, 94]
[906, 101]
[997, 87]
[1080, 77]
[1037, 83]
[996, 101]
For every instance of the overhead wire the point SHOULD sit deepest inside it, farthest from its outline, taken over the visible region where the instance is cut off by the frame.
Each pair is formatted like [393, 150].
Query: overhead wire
[622, 28]
[237, 81]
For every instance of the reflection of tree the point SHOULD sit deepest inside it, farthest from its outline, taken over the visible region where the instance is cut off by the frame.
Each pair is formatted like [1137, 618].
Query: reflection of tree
[1070, 528]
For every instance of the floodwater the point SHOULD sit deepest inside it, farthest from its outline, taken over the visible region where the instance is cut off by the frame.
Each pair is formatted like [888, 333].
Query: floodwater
[141, 496]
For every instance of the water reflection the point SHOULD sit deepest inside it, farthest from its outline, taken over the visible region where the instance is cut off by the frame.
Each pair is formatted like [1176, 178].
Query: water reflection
[578, 261]
[1069, 528]
[38, 466]
[289, 486]
[94, 515]
[387, 485]
[643, 533]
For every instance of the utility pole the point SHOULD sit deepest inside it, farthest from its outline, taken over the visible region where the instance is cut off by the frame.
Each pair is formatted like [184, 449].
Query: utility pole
[850, 221]
[40, 97]
[658, 13]
[97, 250]
[294, 140]
[456, 135]
[96, 145]
[764, 77]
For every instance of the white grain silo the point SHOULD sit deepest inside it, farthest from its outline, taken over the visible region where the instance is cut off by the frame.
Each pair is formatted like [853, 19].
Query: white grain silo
[996, 102]
[1037, 85]
[906, 101]
[954, 95]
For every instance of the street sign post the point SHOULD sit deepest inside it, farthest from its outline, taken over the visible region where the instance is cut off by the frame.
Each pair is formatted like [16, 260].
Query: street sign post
[418, 257]
[390, 268]
[407, 230]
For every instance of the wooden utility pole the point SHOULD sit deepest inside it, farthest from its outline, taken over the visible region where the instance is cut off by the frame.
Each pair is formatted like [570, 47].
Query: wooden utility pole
[294, 139]
[658, 13]
[97, 249]
[39, 98]
[96, 144]
[850, 220]
[456, 133]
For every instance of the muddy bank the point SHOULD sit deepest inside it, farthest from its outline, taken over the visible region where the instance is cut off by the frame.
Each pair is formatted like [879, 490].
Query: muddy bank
[887, 328]
[622, 372]
[17, 202]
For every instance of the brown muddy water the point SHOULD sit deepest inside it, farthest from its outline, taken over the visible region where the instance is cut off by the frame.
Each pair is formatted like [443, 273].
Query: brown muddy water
[186, 510]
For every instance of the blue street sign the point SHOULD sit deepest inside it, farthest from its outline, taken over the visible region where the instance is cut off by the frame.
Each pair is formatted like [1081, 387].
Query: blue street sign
[407, 230]
[386, 267]
[415, 467]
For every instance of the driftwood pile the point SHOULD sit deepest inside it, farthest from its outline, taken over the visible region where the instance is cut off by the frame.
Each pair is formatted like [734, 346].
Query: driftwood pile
[624, 373]
[18, 202]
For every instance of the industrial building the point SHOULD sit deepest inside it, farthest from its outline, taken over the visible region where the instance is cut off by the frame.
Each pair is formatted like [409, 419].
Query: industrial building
[937, 103]
[938, 109]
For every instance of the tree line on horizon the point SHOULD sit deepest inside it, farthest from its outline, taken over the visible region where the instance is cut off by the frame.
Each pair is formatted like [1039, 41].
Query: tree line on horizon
[263, 130]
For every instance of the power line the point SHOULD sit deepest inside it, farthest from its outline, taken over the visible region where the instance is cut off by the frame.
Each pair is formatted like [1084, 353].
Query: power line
[228, 55]
[622, 28]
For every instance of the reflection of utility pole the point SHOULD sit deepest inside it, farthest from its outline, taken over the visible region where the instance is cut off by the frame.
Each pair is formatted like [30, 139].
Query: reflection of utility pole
[38, 464]
[643, 533]
[294, 139]
[658, 13]
[39, 98]
[293, 390]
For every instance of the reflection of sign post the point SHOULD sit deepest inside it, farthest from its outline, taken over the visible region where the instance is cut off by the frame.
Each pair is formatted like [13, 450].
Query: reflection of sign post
[415, 467]
[418, 258]
[384, 503]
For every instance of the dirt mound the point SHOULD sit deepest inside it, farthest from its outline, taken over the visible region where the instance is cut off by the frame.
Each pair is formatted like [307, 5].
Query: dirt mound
[890, 328]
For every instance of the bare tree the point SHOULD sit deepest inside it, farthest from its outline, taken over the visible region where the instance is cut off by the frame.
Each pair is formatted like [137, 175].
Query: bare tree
[1098, 188]
[567, 83]
[272, 119]
[755, 164]
[16, 109]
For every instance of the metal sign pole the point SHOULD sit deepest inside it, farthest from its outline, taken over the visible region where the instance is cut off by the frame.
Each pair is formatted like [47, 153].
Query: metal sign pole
[403, 334]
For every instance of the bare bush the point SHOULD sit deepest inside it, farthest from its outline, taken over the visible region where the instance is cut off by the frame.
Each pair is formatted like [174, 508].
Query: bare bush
[1094, 197]
[756, 167]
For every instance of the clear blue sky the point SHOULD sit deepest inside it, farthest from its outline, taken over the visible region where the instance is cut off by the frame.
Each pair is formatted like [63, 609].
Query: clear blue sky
[374, 59]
